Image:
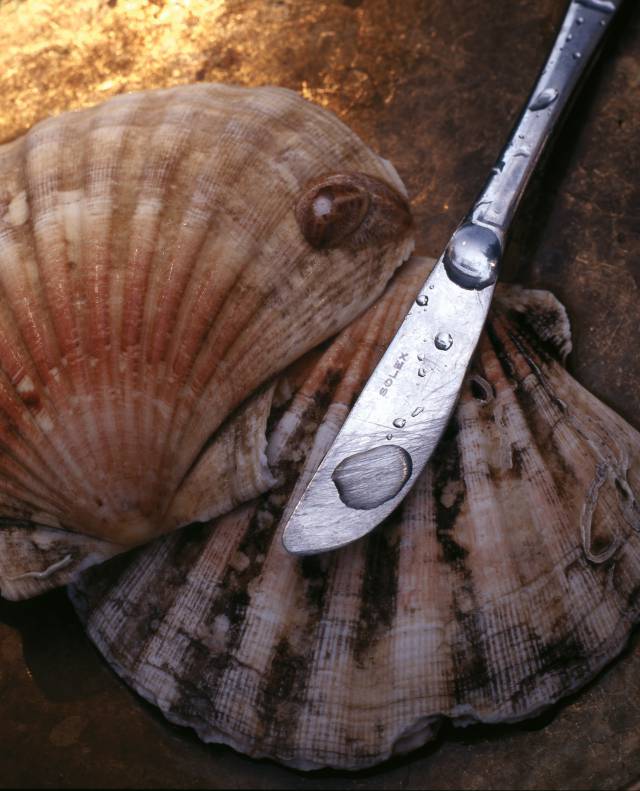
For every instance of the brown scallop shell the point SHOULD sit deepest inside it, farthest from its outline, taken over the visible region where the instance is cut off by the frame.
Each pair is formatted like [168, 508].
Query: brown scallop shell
[153, 274]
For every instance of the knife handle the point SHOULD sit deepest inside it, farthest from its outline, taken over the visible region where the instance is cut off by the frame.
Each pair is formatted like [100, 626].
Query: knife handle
[580, 36]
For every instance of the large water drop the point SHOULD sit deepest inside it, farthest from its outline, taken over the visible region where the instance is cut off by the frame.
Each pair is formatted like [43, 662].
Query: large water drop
[368, 479]
[544, 99]
[472, 256]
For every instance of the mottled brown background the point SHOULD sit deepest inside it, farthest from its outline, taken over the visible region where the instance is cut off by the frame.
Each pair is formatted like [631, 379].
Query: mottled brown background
[433, 85]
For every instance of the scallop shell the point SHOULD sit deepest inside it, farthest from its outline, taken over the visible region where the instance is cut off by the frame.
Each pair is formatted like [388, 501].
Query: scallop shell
[508, 577]
[161, 256]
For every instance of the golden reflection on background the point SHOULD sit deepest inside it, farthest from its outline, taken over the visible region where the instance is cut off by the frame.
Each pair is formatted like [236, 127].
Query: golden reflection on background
[61, 54]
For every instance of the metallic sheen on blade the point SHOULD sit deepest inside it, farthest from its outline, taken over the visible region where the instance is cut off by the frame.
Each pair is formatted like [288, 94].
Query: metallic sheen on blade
[406, 405]
[402, 412]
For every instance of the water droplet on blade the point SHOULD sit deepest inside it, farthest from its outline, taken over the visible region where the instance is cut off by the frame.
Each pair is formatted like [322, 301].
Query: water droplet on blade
[368, 479]
[421, 357]
[417, 411]
[389, 436]
[443, 341]
[399, 422]
[544, 99]
[422, 372]
[422, 300]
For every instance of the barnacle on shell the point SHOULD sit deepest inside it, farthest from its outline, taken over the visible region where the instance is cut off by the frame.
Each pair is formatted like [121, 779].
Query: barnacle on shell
[351, 209]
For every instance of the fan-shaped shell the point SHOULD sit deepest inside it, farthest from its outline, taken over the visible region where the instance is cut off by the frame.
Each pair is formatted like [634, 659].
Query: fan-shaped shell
[154, 270]
[509, 576]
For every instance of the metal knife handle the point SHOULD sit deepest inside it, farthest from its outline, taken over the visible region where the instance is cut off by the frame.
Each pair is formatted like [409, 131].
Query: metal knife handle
[581, 33]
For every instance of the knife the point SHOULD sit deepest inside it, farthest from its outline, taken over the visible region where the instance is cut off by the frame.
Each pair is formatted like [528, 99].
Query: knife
[404, 408]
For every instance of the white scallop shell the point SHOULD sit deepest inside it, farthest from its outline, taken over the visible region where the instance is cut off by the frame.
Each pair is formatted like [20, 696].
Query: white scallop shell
[506, 580]
[154, 270]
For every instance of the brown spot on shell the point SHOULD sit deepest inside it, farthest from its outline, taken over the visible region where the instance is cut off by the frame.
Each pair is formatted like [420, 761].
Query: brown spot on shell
[351, 208]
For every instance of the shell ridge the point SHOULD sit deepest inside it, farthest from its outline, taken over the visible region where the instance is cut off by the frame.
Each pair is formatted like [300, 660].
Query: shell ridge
[44, 211]
[214, 322]
[127, 163]
[189, 610]
[224, 623]
[29, 430]
[545, 316]
[252, 473]
[34, 368]
[96, 224]
[109, 138]
[178, 127]
[137, 277]
[26, 459]
[72, 208]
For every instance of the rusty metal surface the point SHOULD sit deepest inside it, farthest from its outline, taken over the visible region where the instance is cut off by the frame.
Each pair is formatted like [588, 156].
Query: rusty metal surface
[433, 85]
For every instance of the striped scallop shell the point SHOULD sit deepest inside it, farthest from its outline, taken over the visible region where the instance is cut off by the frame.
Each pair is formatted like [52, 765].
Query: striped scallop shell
[161, 256]
[508, 577]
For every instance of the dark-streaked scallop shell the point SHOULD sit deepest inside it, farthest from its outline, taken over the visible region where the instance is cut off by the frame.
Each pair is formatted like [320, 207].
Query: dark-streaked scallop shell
[508, 577]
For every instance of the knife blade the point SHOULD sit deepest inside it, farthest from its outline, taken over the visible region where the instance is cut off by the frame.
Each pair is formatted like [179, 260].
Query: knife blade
[399, 417]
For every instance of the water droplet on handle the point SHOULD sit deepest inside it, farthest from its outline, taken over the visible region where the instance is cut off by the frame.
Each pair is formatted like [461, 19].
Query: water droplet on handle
[577, 55]
[443, 341]
[606, 6]
[472, 256]
[399, 422]
[579, 20]
[544, 99]
[422, 300]
[368, 479]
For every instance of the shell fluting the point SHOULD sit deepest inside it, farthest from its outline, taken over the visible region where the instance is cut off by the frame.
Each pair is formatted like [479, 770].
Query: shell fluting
[152, 276]
[508, 577]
